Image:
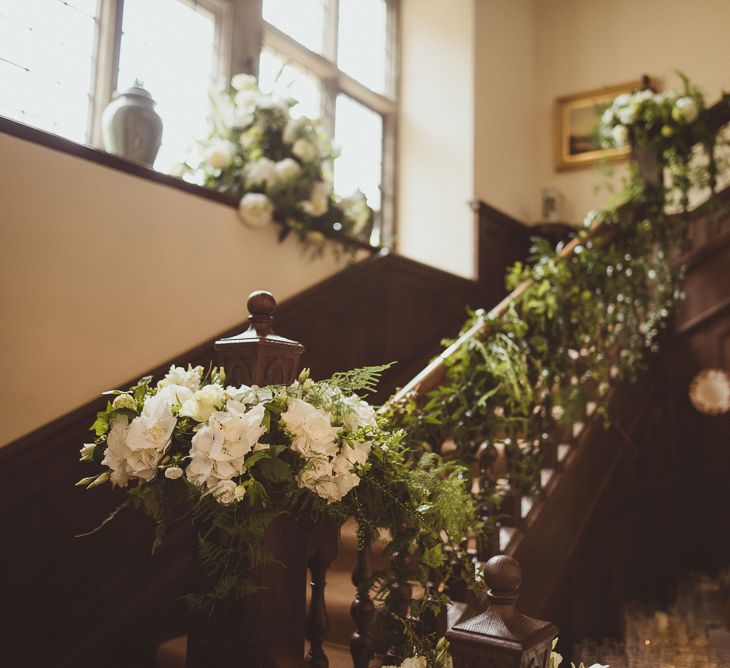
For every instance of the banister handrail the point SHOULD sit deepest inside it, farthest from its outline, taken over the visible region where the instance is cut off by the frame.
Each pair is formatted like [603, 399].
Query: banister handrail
[432, 375]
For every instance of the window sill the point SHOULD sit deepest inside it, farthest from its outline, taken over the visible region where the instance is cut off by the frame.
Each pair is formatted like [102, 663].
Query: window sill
[58, 143]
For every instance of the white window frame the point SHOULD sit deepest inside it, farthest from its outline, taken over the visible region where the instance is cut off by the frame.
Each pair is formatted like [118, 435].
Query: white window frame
[335, 81]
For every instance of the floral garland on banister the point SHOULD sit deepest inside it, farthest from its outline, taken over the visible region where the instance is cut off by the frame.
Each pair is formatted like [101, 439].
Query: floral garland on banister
[233, 459]
[587, 320]
[279, 166]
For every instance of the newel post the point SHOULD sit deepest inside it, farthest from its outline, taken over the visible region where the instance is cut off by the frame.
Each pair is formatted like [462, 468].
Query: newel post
[258, 356]
[501, 637]
[266, 629]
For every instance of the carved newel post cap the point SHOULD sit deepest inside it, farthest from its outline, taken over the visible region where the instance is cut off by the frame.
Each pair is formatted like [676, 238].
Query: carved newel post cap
[501, 636]
[258, 356]
[503, 576]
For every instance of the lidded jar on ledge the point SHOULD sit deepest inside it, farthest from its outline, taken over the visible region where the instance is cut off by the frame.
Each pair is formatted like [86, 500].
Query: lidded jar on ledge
[130, 126]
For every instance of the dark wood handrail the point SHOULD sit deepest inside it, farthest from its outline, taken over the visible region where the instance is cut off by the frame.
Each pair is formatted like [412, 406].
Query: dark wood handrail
[433, 374]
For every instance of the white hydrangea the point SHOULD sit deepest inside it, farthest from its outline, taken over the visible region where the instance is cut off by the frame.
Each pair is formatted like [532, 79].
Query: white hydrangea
[134, 448]
[177, 375]
[219, 447]
[311, 429]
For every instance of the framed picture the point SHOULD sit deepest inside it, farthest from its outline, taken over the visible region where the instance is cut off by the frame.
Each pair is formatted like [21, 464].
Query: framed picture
[577, 117]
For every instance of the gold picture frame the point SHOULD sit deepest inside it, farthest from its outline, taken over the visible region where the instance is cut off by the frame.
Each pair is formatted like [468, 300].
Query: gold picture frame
[576, 117]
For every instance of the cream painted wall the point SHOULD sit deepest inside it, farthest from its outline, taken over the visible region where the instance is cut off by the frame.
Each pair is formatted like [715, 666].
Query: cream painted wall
[435, 146]
[505, 128]
[585, 44]
[104, 275]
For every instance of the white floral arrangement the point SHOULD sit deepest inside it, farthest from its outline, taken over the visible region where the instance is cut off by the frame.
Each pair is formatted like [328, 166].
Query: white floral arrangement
[212, 435]
[232, 458]
[279, 166]
[646, 116]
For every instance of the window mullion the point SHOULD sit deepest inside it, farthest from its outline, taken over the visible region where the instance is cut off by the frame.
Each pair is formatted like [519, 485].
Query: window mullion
[106, 66]
[246, 35]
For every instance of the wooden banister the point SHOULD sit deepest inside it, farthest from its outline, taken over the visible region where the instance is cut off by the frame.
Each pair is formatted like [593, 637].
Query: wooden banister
[433, 374]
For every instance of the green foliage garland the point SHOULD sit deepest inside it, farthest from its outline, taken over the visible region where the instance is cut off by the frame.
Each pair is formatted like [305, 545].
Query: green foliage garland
[586, 321]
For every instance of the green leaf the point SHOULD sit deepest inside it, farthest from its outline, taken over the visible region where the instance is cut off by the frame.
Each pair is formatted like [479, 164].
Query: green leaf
[274, 470]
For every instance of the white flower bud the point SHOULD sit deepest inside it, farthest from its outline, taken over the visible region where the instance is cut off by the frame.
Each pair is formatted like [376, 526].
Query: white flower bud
[173, 473]
[124, 401]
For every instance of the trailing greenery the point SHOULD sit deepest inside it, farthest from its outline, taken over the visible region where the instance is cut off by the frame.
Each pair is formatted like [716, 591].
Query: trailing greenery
[587, 319]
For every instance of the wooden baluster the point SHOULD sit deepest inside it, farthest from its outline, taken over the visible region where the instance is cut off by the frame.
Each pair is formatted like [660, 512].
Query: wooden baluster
[501, 636]
[362, 608]
[317, 627]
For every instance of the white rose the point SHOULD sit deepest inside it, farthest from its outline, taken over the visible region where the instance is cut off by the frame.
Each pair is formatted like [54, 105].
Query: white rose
[620, 135]
[622, 100]
[607, 116]
[685, 109]
[261, 173]
[173, 472]
[305, 150]
[227, 492]
[318, 201]
[219, 154]
[287, 170]
[255, 210]
[202, 404]
[311, 429]
[244, 81]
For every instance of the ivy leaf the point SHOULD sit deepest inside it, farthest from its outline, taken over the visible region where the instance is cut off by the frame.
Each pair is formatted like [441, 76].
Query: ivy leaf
[433, 556]
[274, 470]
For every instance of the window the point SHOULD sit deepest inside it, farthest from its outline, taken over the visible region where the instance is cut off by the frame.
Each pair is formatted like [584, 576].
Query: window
[46, 63]
[62, 60]
[338, 55]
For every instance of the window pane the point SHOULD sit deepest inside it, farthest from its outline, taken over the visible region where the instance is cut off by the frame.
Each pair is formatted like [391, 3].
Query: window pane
[362, 43]
[286, 80]
[170, 47]
[303, 20]
[46, 58]
[359, 134]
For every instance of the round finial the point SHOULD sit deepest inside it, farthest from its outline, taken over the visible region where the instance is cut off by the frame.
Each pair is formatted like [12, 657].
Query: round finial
[504, 577]
[261, 302]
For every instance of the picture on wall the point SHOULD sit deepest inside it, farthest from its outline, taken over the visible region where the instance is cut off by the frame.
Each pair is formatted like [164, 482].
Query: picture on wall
[576, 119]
